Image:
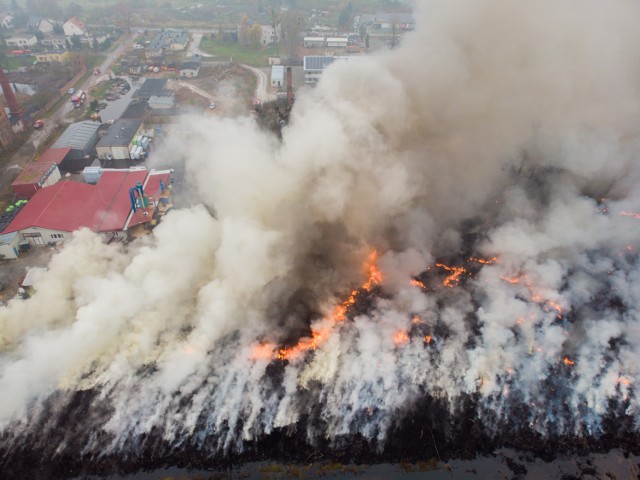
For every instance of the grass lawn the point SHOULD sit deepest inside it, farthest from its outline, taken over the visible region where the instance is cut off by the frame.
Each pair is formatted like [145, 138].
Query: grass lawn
[240, 54]
[11, 63]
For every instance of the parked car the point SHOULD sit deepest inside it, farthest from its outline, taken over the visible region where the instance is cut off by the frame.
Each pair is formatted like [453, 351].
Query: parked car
[71, 91]
[212, 105]
[38, 124]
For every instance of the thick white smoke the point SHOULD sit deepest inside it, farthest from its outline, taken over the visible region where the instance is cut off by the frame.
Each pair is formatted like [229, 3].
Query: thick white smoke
[498, 129]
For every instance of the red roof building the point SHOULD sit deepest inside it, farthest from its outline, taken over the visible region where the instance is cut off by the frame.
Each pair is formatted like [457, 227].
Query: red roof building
[106, 208]
[33, 177]
[54, 155]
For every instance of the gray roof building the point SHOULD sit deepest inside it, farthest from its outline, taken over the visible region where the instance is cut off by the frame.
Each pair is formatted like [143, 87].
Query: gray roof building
[80, 136]
[121, 133]
[152, 87]
[166, 38]
[135, 109]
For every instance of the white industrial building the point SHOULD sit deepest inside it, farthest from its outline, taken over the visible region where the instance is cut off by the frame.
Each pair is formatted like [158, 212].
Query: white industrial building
[277, 76]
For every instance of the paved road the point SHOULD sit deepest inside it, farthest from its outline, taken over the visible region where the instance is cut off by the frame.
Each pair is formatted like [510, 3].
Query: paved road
[261, 93]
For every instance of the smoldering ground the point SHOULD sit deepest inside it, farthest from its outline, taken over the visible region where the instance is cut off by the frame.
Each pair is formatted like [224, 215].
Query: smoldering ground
[490, 161]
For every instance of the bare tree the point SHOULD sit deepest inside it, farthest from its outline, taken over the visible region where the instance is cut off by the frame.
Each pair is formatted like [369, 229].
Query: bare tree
[123, 12]
[255, 34]
[291, 26]
[243, 32]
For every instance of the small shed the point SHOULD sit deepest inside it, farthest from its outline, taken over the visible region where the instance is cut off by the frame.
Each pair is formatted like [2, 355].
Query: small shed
[10, 245]
[277, 76]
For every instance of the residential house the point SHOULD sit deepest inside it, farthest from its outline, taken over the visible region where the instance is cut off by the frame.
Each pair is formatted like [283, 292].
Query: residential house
[121, 200]
[6, 20]
[269, 34]
[74, 26]
[54, 42]
[190, 68]
[22, 42]
[43, 25]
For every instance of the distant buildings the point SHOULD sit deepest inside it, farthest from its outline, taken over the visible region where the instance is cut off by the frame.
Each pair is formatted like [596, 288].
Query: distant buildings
[22, 42]
[389, 21]
[313, 66]
[168, 40]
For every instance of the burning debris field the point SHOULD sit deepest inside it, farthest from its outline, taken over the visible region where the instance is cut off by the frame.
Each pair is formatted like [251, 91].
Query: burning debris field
[449, 269]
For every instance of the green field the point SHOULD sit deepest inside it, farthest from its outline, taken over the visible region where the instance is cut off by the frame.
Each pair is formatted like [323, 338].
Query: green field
[254, 57]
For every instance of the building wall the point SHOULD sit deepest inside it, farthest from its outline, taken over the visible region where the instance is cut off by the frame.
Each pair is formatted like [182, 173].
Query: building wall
[21, 42]
[70, 29]
[10, 249]
[45, 26]
[52, 57]
[42, 236]
[189, 73]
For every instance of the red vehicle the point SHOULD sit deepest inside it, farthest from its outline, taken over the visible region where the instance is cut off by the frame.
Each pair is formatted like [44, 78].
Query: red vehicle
[38, 124]
[17, 53]
[78, 99]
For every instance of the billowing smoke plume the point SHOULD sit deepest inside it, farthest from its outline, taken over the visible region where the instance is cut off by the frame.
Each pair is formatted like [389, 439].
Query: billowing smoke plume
[491, 161]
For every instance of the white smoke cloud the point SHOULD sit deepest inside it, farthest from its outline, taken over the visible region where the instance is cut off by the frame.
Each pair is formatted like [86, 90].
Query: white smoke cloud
[498, 128]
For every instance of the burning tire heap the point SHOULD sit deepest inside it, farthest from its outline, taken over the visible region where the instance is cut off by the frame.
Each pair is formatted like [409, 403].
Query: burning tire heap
[446, 270]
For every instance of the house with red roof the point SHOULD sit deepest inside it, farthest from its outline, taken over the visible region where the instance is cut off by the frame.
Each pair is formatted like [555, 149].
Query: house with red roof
[121, 202]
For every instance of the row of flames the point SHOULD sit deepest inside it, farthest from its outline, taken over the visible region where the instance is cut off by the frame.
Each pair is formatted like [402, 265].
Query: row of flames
[322, 330]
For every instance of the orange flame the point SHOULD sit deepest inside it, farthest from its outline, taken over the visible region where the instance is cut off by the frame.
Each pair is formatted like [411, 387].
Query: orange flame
[262, 351]
[400, 337]
[417, 283]
[416, 320]
[454, 278]
[428, 339]
[321, 331]
[483, 261]
[511, 280]
[626, 381]
[568, 362]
